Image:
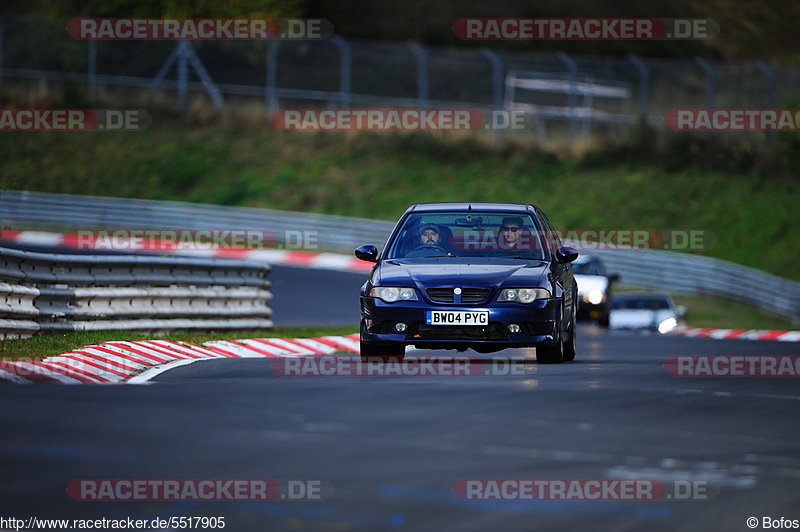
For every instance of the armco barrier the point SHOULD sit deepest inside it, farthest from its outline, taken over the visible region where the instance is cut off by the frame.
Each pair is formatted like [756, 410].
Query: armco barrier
[34, 210]
[691, 274]
[661, 270]
[59, 292]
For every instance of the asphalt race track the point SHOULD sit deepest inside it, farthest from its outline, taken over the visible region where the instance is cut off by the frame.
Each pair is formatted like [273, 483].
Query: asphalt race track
[392, 448]
[298, 295]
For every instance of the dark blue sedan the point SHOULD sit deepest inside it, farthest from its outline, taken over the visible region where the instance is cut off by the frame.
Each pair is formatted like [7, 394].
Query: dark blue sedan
[484, 276]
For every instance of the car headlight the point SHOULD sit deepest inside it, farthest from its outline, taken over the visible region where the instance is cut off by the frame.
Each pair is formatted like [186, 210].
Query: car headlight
[390, 294]
[595, 297]
[667, 325]
[523, 295]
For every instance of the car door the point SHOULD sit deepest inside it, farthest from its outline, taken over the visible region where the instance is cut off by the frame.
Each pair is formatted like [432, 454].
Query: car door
[561, 272]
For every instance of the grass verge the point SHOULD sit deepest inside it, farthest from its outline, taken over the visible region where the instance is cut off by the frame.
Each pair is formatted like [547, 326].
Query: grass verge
[708, 311]
[748, 218]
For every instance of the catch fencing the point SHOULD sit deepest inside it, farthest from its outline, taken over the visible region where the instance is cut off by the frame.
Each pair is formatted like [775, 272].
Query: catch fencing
[655, 269]
[340, 73]
[52, 292]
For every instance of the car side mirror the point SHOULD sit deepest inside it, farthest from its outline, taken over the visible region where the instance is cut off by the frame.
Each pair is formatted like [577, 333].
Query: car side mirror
[613, 278]
[680, 311]
[566, 254]
[368, 253]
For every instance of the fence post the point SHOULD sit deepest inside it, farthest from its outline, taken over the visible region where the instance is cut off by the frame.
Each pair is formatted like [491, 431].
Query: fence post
[272, 77]
[183, 75]
[572, 68]
[497, 75]
[199, 69]
[345, 63]
[771, 84]
[422, 73]
[712, 81]
[162, 72]
[770, 75]
[1, 52]
[92, 68]
[644, 85]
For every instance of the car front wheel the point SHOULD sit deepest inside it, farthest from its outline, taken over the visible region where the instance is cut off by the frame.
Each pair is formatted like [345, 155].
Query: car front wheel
[569, 346]
[563, 350]
[550, 354]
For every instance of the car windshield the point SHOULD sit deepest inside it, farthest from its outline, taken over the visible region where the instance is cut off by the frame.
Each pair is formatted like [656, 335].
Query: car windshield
[468, 234]
[641, 303]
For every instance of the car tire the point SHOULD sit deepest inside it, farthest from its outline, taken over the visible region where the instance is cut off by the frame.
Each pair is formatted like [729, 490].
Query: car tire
[570, 349]
[382, 351]
[550, 354]
[604, 320]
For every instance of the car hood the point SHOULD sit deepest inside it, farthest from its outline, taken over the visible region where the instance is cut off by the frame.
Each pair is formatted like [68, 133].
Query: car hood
[638, 318]
[449, 272]
[587, 283]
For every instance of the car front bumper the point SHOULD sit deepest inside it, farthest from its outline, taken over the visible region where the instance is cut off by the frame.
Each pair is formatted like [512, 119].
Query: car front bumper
[539, 323]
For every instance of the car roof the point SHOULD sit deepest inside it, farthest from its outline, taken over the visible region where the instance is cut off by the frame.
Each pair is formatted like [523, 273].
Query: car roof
[520, 208]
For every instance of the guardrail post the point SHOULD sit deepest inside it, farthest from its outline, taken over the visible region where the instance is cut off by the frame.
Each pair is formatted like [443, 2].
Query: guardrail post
[92, 68]
[271, 93]
[497, 75]
[572, 68]
[712, 81]
[422, 73]
[345, 64]
[644, 85]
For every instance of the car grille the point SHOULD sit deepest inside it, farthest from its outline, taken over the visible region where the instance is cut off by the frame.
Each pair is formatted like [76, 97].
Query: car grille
[468, 295]
[441, 295]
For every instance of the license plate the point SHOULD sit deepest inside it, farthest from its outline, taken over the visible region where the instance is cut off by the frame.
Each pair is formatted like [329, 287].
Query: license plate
[457, 317]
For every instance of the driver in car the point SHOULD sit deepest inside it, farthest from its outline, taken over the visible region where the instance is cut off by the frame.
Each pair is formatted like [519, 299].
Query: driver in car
[429, 235]
[433, 240]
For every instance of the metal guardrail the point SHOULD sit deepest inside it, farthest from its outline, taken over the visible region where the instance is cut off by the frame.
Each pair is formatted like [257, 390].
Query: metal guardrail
[661, 270]
[51, 292]
[691, 274]
[35, 210]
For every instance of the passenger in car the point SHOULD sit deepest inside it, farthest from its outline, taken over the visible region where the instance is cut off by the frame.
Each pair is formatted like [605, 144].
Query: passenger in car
[510, 233]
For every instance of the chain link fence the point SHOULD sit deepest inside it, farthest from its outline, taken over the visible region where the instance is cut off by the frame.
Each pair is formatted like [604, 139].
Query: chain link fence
[339, 72]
